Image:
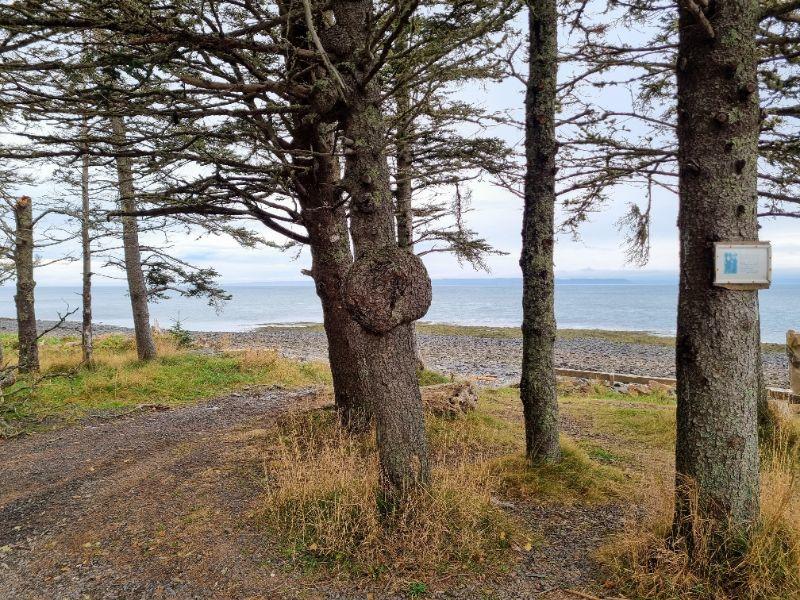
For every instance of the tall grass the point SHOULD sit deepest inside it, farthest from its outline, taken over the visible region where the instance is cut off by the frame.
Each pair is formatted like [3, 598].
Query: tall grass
[726, 563]
[322, 506]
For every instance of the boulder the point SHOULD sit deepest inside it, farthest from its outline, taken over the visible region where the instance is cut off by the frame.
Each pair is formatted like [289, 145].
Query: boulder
[450, 400]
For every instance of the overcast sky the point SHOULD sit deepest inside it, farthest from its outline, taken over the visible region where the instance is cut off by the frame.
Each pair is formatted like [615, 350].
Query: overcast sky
[496, 216]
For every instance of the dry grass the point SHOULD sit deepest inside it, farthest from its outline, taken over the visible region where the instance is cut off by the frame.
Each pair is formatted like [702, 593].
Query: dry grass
[726, 564]
[322, 506]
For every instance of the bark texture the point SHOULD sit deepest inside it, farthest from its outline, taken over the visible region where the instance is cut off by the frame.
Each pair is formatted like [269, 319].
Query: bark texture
[538, 384]
[24, 298]
[324, 216]
[717, 351]
[87, 342]
[403, 181]
[137, 287]
[387, 359]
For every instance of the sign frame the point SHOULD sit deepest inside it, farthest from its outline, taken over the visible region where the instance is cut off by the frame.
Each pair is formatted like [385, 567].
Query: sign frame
[737, 283]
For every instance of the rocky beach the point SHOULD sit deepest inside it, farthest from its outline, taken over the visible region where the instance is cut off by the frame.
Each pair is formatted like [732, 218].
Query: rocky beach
[493, 359]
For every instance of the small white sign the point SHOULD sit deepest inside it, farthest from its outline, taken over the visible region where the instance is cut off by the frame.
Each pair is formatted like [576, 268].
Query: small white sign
[743, 265]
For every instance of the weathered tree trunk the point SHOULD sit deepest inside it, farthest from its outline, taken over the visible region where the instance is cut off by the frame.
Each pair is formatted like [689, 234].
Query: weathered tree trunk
[137, 287]
[86, 257]
[325, 219]
[793, 351]
[24, 298]
[717, 351]
[332, 258]
[403, 182]
[387, 288]
[404, 191]
[538, 385]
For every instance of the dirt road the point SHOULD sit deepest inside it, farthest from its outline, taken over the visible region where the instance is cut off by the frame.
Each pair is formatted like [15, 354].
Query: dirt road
[162, 504]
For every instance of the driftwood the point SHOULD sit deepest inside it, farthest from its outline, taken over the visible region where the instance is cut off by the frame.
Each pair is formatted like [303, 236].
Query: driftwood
[450, 400]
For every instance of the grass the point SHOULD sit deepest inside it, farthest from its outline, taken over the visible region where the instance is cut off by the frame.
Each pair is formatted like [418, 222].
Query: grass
[727, 563]
[321, 503]
[118, 382]
[321, 508]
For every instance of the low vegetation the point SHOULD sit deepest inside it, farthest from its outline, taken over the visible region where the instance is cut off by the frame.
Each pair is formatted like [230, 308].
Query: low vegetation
[117, 382]
[322, 506]
[726, 563]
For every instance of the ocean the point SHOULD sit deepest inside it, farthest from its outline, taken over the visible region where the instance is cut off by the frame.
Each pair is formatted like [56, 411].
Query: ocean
[497, 302]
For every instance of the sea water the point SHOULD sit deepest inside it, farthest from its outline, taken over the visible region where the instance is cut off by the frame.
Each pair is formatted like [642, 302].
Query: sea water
[497, 302]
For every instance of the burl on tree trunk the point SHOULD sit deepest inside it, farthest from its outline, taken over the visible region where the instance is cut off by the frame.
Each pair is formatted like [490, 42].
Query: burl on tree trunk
[24, 298]
[717, 350]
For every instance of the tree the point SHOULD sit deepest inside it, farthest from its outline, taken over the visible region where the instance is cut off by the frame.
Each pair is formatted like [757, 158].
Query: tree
[274, 112]
[24, 298]
[87, 337]
[538, 385]
[137, 286]
[717, 346]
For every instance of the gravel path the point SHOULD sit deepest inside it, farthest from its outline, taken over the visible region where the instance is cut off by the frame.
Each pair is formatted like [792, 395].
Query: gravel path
[161, 505]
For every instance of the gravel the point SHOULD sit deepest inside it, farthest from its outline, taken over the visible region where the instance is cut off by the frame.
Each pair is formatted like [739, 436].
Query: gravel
[495, 361]
[498, 360]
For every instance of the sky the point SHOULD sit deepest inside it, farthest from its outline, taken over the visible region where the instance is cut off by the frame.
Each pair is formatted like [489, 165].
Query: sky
[496, 216]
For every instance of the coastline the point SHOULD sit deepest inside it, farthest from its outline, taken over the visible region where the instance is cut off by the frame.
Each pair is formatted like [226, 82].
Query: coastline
[492, 354]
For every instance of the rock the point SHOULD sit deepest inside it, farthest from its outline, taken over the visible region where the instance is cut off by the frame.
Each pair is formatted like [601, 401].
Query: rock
[657, 386]
[620, 387]
[450, 400]
[639, 389]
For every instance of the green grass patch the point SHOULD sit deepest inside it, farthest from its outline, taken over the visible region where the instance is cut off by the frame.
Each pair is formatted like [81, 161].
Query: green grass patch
[117, 382]
[427, 377]
[575, 478]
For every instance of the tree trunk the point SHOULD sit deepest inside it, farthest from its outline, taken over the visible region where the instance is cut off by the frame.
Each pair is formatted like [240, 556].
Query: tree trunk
[386, 286]
[538, 384]
[332, 258]
[86, 257]
[24, 298]
[137, 287]
[325, 219]
[403, 182]
[717, 351]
